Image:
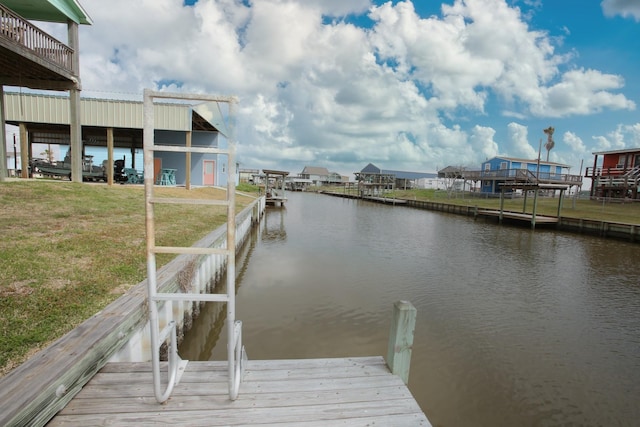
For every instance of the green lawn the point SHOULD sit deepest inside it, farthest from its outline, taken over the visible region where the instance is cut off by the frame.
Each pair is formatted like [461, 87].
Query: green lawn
[69, 249]
[608, 210]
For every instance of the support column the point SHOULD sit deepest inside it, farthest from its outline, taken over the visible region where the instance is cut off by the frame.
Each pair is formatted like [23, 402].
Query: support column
[188, 162]
[75, 133]
[3, 139]
[535, 207]
[560, 203]
[109, 156]
[24, 151]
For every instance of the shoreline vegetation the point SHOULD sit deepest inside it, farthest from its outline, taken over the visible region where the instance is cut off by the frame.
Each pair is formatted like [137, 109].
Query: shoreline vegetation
[70, 249]
[611, 210]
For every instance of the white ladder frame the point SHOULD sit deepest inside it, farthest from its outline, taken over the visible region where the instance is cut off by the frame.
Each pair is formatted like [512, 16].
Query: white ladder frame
[235, 350]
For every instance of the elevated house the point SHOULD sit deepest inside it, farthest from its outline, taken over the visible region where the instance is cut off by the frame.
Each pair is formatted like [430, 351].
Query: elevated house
[109, 123]
[249, 175]
[509, 171]
[615, 174]
[452, 178]
[373, 181]
[314, 176]
[32, 58]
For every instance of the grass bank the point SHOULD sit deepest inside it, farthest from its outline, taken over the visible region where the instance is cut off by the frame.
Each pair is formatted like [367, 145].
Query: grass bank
[70, 249]
[611, 210]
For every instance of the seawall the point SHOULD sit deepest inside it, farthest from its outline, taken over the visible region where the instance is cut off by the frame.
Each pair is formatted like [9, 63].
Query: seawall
[609, 229]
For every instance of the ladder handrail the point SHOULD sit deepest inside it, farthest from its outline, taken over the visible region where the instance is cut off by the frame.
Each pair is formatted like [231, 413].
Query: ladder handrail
[235, 350]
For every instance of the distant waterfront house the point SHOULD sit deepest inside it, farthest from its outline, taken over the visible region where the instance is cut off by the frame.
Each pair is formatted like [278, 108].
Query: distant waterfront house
[317, 175]
[501, 170]
[453, 178]
[248, 175]
[616, 175]
[372, 180]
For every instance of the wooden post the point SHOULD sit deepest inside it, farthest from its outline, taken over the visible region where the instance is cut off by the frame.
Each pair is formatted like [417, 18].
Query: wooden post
[24, 150]
[535, 208]
[560, 199]
[188, 161]
[3, 139]
[109, 156]
[401, 339]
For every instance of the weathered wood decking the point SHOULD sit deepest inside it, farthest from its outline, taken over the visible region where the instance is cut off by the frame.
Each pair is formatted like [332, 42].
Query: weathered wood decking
[307, 392]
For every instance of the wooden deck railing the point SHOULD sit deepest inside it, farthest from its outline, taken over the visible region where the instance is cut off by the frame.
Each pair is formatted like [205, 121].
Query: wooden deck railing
[591, 172]
[22, 32]
[523, 175]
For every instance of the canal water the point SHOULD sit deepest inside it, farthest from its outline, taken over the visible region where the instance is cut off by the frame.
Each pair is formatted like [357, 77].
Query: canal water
[514, 327]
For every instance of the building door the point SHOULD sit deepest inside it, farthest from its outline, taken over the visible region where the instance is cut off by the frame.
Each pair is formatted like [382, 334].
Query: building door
[157, 168]
[209, 172]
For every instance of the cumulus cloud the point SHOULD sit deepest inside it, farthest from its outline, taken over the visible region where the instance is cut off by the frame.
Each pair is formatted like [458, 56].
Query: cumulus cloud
[624, 8]
[575, 142]
[518, 143]
[406, 92]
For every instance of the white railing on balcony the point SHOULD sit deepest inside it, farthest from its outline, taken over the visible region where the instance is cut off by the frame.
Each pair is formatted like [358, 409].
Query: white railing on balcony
[22, 32]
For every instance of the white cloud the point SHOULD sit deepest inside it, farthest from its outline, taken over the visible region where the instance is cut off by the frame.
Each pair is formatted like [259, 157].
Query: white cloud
[624, 8]
[575, 142]
[583, 92]
[518, 143]
[407, 93]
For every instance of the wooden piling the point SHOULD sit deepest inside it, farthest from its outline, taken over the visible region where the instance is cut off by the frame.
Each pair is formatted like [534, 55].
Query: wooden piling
[401, 339]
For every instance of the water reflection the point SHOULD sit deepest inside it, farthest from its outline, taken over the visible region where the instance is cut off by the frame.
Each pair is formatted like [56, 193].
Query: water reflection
[273, 224]
[514, 327]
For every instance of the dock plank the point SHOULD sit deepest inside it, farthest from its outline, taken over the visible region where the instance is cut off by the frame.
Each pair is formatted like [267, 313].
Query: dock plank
[306, 392]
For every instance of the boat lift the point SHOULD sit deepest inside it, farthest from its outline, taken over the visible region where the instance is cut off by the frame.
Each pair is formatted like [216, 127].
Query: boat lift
[236, 355]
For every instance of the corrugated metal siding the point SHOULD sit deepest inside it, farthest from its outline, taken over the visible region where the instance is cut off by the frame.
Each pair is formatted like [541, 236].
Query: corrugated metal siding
[94, 112]
[21, 107]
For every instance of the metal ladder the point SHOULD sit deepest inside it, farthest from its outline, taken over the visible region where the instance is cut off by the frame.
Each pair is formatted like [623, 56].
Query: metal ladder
[235, 350]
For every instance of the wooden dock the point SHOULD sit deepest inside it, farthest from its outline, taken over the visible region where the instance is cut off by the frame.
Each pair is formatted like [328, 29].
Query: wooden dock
[358, 391]
[525, 218]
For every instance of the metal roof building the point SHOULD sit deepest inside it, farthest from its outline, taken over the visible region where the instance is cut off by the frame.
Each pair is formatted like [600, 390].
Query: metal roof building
[109, 123]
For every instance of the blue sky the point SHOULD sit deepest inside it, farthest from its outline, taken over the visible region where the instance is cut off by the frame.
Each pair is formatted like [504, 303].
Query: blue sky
[413, 86]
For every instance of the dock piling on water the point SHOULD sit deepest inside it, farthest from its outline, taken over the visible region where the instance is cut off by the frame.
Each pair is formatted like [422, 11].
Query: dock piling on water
[403, 324]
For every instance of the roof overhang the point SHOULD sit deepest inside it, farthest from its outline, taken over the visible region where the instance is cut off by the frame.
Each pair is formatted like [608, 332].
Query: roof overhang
[626, 150]
[50, 10]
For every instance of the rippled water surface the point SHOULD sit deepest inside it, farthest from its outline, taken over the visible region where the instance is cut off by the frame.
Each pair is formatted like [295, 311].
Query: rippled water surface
[514, 327]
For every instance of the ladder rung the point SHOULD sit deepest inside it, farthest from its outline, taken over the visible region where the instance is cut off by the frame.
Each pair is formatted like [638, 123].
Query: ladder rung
[192, 149]
[174, 201]
[189, 250]
[191, 297]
